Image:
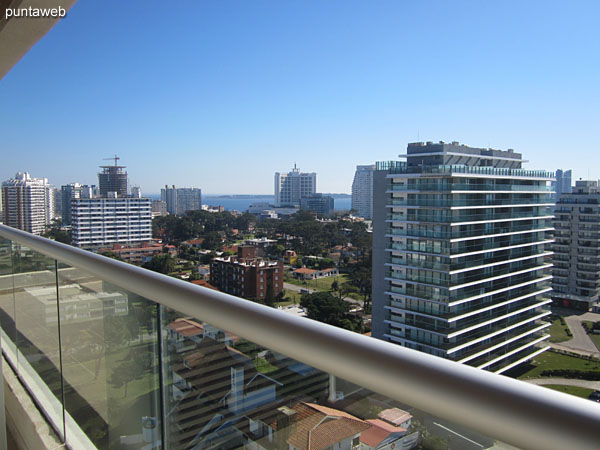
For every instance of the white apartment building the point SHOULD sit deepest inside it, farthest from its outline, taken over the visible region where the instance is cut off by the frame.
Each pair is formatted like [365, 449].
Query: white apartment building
[188, 199]
[576, 271]
[28, 203]
[72, 191]
[180, 200]
[362, 191]
[291, 187]
[97, 222]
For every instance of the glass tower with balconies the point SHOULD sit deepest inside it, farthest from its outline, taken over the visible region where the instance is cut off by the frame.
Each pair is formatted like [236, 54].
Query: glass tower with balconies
[461, 254]
[576, 271]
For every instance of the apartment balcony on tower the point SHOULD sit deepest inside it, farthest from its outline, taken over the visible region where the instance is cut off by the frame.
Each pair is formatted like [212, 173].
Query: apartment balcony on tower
[461, 254]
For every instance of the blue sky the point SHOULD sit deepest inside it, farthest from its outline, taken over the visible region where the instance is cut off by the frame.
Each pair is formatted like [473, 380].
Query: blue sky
[222, 94]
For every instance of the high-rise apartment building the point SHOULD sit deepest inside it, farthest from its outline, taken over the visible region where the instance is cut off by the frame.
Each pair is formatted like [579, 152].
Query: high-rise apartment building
[563, 182]
[461, 254]
[98, 222]
[136, 191]
[362, 191]
[180, 200]
[319, 203]
[72, 191]
[28, 203]
[112, 218]
[291, 187]
[576, 271]
[169, 196]
[188, 199]
[159, 208]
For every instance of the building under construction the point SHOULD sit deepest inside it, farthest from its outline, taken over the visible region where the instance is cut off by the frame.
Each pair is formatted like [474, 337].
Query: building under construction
[113, 179]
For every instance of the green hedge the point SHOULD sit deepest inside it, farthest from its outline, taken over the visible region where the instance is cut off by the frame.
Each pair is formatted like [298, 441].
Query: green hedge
[571, 373]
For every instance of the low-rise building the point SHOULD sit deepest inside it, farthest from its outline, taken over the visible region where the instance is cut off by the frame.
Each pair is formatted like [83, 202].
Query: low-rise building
[194, 243]
[290, 257]
[320, 427]
[137, 254]
[261, 242]
[246, 275]
[305, 273]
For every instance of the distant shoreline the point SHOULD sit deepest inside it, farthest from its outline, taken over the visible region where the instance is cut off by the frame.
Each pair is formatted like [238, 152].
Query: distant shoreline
[155, 195]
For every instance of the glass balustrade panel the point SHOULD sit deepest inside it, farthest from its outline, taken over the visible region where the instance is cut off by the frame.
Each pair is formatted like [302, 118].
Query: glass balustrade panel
[110, 363]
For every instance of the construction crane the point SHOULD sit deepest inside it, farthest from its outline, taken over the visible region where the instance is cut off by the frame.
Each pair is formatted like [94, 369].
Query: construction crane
[116, 158]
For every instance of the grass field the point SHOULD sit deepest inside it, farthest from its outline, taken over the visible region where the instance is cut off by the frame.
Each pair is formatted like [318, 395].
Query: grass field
[321, 284]
[263, 366]
[324, 284]
[552, 360]
[291, 298]
[571, 390]
[558, 332]
[594, 337]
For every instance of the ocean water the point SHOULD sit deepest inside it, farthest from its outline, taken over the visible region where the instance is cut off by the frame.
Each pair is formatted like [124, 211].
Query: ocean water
[242, 203]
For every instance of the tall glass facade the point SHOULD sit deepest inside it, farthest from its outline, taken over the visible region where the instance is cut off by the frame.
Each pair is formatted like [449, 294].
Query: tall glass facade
[461, 255]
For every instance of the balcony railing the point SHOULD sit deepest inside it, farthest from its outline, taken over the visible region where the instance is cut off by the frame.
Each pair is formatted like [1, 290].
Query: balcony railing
[119, 357]
[435, 187]
[400, 167]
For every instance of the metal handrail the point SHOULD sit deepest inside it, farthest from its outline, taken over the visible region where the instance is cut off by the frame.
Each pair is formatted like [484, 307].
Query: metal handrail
[514, 412]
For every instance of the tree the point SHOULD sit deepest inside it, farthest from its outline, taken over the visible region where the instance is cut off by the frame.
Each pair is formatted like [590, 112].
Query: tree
[345, 289]
[212, 241]
[58, 235]
[207, 258]
[324, 307]
[124, 374]
[116, 332]
[335, 285]
[161, 263]
[270, 296]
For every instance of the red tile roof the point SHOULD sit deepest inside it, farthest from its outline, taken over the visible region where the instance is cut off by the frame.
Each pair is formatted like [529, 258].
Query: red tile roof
[194, 241]
[394, 416]
[318, 427]
[186, 327]
[373, 436]
[204, 283]
[378, 431]
[304, 270]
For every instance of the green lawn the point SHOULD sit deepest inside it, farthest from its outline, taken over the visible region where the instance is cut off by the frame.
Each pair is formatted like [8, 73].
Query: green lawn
[291, 298]
[594, 337]
[558, 332]
[551, 360]
[320, 284]
[263, 366]
[571, 390]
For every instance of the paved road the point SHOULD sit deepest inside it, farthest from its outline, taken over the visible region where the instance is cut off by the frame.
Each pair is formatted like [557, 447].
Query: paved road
[565, 382]
[581, 342]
